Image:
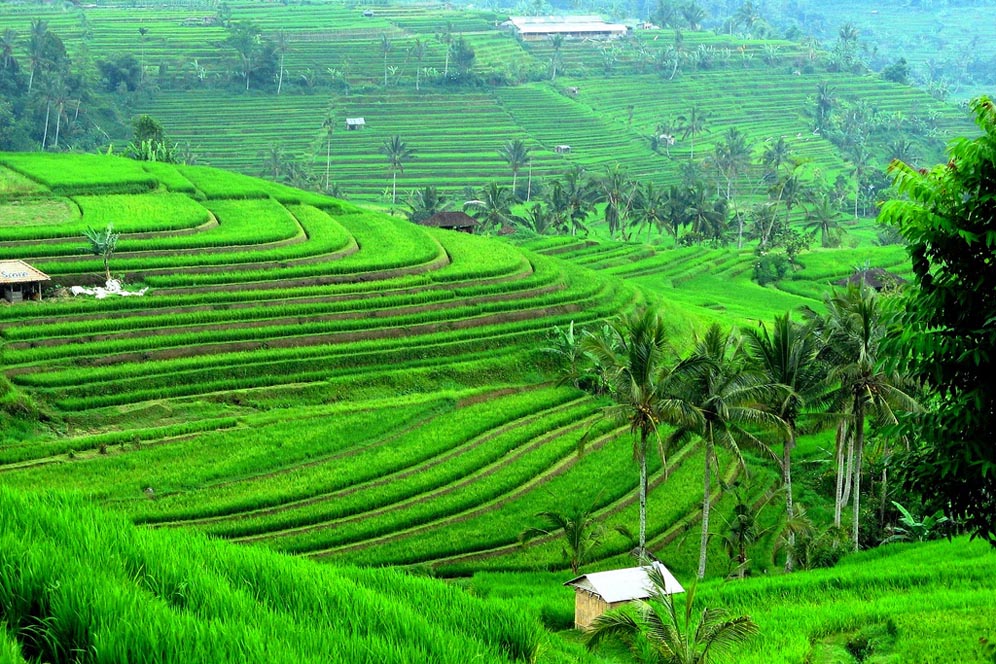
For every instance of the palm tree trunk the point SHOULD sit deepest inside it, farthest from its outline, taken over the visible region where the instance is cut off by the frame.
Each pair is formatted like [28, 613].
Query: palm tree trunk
[280, 81]
[789, 506]
[58, 126]
[643, 494]
[859, 435]
[706, 504]
[48, 108]
[838, 505]
[328, 162]
[849, 472]
[394, 189]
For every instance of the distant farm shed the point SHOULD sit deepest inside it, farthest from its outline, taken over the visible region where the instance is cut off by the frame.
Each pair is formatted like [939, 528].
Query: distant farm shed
[562, 149]
[19, 281]
[874, 277]
[454, 221]
[531, 28]
[596, 593]
[353, 124]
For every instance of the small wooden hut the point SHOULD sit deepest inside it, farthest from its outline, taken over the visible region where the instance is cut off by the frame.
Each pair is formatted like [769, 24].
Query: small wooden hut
[874, 277]
[562, 149]
[352, 124]
[19, 281]
[452, 220]
[596, 593]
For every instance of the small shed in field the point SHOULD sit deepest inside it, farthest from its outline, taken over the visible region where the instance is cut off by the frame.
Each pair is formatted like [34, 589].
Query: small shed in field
[352, 124]
[596, 593]
[875, 277]
[452, 220]
[562, 149]
[19, 281]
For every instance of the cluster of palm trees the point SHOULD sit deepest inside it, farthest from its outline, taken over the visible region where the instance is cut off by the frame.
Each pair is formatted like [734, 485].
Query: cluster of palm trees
[750, 389]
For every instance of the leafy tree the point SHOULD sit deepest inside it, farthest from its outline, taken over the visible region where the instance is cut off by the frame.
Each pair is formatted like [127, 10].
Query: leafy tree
[102, 244]
[572, 199]
[946, 334]
[731, 158]
[617, 191]
[899, 72]
[692, 124]
[826, 99]
[246, 38]
[8, 42]
[516, 154]
[123, 72]
[693, 14]
[462, 55]
[397, 153]
[656, 632]
[150, 142]
[581, 531]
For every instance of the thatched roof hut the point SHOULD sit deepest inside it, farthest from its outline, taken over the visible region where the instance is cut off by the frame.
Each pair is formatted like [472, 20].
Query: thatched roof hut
[596, 593]
[875, 277]
[452, 220]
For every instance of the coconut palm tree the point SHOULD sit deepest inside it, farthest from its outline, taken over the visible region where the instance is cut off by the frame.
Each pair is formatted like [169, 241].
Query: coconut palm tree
[823, 218]
[774, 156]
[788, 356]
[397, 153]
[493, 207]
[36, 47]
[281, 46]
[328, 125]
[617, 191]
[418, 52]
[385, 47]
[692, 124]
[572, 199]
[425, 202]
[581, 530]
[657, 632]
[649, 208]
[556, 42]
[728, 400]
[516, 154]
[8, 42]
[851, 333]
[632, 355]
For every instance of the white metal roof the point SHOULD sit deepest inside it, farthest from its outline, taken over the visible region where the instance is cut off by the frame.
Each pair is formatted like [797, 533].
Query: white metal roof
[357, 121]
[15, 272]
[623, 585]
[552, 24]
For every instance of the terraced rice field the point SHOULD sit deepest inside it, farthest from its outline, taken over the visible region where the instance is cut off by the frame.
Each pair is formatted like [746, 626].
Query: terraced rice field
[307, 375]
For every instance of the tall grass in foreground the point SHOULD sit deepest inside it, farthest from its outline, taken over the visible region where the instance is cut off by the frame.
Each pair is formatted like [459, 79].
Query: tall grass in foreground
[78, 585]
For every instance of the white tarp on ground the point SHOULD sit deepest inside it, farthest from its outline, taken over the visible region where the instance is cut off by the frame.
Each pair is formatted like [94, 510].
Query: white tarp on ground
[112, 287]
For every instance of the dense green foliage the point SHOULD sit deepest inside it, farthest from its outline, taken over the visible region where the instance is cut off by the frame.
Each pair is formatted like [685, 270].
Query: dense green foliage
[948, 332]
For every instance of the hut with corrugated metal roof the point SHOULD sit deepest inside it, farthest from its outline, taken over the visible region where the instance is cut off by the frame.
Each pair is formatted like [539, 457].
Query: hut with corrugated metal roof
[19, 281]
[596, 593]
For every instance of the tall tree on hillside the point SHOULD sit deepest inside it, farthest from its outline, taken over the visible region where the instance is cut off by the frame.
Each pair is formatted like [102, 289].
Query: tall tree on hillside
[774, 156]
[788, 356]
[946, 332]
[692, 124]
[851, 334]
[726, 398]
[281, 46]
[516, 155]
[633, 357]
[398, 153]
[446, 38]
[328, 125]
[247, 40]
[556, 43]
[8, 42]
[37, 42]
[693, 14]
[573, 199]
[617, 191]
[418, 52]
[649, 208]
[731, 158]
[385, 48]
[580, 529]
[826, 99]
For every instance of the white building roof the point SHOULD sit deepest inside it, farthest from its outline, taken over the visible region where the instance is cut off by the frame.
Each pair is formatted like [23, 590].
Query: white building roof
[16, 272]
[355, 121]
[554, 24]
[623, 585]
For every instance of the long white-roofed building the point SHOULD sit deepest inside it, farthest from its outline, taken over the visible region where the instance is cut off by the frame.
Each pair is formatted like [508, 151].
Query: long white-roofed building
[542, 27]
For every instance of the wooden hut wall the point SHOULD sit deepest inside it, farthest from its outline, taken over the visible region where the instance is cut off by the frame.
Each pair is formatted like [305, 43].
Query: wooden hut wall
[587, 607]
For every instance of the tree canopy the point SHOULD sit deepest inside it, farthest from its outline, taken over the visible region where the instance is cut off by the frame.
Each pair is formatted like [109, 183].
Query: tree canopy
[947, 332]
